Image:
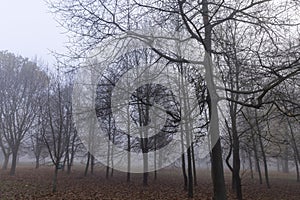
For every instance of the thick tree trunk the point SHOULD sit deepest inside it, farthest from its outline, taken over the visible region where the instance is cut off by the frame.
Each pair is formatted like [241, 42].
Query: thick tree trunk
[218, 173]
[216, 161]
[14, 162]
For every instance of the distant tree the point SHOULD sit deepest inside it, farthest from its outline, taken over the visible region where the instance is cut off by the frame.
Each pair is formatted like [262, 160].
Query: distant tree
[56, 123]
[22, 83]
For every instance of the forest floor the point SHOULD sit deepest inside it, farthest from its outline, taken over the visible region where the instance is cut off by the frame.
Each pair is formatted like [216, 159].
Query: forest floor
[30, 183]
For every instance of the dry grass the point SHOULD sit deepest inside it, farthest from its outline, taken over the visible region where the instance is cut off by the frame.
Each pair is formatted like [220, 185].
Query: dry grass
[30, 183]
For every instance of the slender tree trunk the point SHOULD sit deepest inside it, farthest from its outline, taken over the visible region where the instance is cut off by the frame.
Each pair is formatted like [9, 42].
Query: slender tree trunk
[262, 151]
[107, 166]
[257, 165]
[236, 180]
[184, 172]
[183, 161]
[278, 164]
[70, 163]
[194, 165]
[190, 173]
[112, 158]
[87, 164]
[6, 160]
[92, 163]
[250, 164]
[265, 162]
[297, 168]
[293, 139]
[145, 163]
[155, 158]
[108, 147]
[128, 149]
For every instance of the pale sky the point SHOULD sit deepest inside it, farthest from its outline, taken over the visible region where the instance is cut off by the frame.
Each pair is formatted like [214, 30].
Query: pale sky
[28, 29]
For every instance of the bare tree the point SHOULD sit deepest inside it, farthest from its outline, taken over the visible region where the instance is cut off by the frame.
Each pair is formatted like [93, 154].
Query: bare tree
[56, 124]
[22, 84]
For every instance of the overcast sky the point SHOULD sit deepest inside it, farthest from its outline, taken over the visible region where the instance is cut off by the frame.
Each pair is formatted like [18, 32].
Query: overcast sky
[28, 29]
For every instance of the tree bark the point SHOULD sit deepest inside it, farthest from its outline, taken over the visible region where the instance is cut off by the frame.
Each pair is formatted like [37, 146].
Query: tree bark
[14, 162]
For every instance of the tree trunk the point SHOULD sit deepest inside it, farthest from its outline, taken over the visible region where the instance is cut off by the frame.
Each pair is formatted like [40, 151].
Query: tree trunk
[183, 163]
[92, 163]
[265, 161]
[194, 165]
[155, 158]
[236, 180]
[184, 172]
[250, 164]
[217, 161]
[6, 160]
[297, 168]
[257, 165]
[295, 147]
[190, 173]
[145, 163]
[87, 164]
[278, 164]
[54, 183]
[285, 163]
[128, 156]
[262, 151]
[218, 173]
[37, 162]
[14, 162]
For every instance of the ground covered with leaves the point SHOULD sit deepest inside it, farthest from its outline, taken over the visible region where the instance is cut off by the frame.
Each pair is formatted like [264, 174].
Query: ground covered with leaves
[30, 183]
